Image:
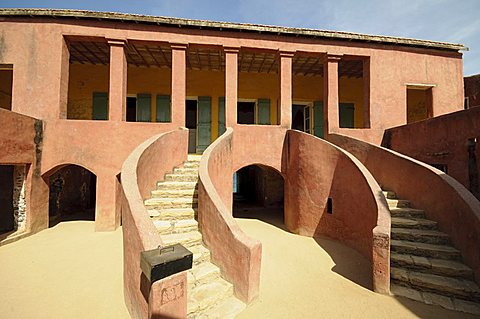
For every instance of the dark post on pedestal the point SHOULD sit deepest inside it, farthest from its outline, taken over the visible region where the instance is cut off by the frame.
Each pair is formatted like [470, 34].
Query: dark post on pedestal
[159, 263]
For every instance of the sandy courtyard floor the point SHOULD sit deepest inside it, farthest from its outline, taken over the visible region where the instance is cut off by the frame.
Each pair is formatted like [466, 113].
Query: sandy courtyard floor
[303, 277]
[67, 271]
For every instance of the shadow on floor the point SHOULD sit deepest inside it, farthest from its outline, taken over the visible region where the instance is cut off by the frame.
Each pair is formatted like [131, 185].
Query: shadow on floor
[269, 215]
[348, 263]
[87, 214]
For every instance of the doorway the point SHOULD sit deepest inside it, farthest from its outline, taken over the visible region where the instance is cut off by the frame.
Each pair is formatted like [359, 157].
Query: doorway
[131, 109]
[302, 118]
[7, 221]
[246, 112]
[419, 103]
[191, 124]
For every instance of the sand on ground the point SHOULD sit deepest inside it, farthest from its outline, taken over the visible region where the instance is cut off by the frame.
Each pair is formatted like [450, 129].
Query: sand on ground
[302, 277]
[67, 271]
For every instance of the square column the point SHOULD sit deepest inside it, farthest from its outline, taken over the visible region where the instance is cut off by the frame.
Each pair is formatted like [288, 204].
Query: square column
[330, 92]
[285, 88]
[117, 94]
[231, 85]
[179, 74]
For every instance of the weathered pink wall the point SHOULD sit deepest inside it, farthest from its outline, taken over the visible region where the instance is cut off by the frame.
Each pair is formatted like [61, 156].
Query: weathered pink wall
[444, 200]
[317, 170]
[441, 140]
[146, 165]
[238, 255]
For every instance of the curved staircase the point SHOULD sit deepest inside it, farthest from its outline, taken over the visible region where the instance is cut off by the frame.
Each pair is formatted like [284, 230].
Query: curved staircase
[424, 265]
[173, 209]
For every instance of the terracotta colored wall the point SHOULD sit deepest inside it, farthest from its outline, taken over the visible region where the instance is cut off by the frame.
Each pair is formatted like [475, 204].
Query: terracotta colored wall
[315, 171]
[6, 89]
[443, 198]
[146, 165]
[441, 140]
[472, 89]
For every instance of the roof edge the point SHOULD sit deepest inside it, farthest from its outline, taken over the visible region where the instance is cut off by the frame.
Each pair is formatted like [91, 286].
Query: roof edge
[190, 23]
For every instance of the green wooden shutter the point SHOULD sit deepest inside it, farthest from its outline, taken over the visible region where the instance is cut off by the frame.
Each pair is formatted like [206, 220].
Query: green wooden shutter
[221, 115]
[144, 108]
[163, 108]
[204, 123]
[318, 118]
[347, 115]
[100, 106]
[263, 111]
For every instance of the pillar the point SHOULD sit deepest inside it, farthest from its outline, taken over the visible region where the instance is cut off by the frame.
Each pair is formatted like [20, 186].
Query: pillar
[285, 88]
[231, 85]
[117, 94]
[105, 206]
[330, 92]
[179, 74]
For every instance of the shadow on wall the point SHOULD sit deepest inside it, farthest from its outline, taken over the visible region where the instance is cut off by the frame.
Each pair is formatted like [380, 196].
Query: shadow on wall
[354, 268]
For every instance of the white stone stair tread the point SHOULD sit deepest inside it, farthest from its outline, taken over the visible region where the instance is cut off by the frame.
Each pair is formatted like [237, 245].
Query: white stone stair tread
[200, 254]
[187, 239]
[178, 225]
[423, 246]
[399, 211]
[389, 194]
[435, 299]
[398, 202]
[419, 234]
[164, 200]
[225, 309]
[412, 222]
[175, 192]
[174, 213]
[437, 266]
[203, 273]
[441, 284]
[204, 296]
[194, 157]
[182, 170]
[176, 185]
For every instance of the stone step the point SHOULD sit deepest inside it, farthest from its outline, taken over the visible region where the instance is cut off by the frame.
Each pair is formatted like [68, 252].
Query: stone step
[420, 235]
[225, 309]
[436, 299]
[186, 170]
[425, 250]
[194, 157]
[175, 226]
[407, 212]
[175, 193]
[446, 286]
[418, 223]
[398, 203]
[194, 164]
[181, 177]
[189, 239]
[173, 213]
[441, 267]
[176, 185]
[163, 203]
[201, 274]
[389, 194]
[200, 254]
[205, 296]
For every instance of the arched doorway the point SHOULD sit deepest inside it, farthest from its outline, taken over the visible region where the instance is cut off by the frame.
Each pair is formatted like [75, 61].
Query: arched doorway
[72, 194]
[258, 192]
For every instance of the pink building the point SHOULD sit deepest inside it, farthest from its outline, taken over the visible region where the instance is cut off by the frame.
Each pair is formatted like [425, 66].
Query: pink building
[100, 112]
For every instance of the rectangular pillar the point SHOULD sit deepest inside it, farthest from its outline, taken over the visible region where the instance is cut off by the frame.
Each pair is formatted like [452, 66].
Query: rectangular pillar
[117, 94]
[330, 92]
[285, 88]
[179, 74]
[231, 85]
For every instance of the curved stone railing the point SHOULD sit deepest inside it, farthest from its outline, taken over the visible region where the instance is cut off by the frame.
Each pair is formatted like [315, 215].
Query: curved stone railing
[237, 255]
[317, 170]
[146, 165]
[444, 199]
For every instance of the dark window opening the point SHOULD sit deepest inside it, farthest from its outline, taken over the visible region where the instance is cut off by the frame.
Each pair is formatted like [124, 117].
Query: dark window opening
[473, 175]
[419, 104]
[246, 112]
[329, 206]
[7, 222]
[258, 192]
[298, 116]
[131, 115]
[6, 81]
[72, 194]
